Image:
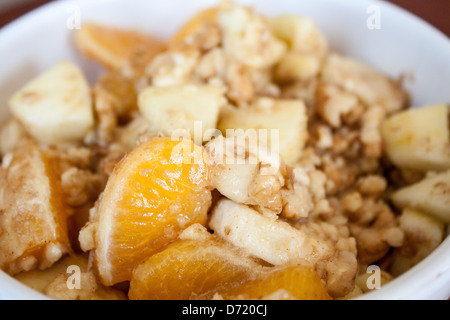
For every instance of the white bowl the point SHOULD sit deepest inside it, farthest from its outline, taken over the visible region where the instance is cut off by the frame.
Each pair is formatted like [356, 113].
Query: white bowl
[404, 44]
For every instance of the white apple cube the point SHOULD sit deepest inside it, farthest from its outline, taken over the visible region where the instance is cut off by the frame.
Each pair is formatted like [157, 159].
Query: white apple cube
[285, 122]
[419, 139]
[56, 106]
[430, 195]
[173, 108]
[423, 234]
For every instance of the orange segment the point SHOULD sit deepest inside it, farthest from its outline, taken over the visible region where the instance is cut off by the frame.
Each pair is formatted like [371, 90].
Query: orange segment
[195, 24]
[301, 282]
[33, 226]
[154, 193]
[189, 269]
[197, 269]
[113, 47]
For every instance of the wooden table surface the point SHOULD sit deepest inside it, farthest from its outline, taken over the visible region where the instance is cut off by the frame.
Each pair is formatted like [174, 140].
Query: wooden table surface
[436, 12]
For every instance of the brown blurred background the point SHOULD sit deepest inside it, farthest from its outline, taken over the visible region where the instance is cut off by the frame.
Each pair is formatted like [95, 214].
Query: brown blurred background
[436, 12]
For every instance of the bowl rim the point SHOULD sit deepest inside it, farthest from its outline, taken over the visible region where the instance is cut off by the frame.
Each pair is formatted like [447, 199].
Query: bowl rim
[396, 289]
[18, 290]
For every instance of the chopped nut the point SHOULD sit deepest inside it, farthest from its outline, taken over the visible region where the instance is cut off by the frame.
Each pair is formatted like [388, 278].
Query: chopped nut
[104, 106]
[173, 67]
[370, 131]
[352, 202]
[372, 184]
[265, 191]
[80, 186]
[324, 137]
[240, 85]
[369, 85]
[333, 103]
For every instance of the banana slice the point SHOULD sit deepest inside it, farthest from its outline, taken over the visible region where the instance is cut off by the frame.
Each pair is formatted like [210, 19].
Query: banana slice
[297, 66]
[56, 106]
[300, 33]
[419, 138]
[308, 47]
[272, 240]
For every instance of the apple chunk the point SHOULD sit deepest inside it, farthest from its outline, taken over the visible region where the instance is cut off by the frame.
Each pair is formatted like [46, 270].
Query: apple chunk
[430, 195]
[169, 109]
[423, 234]
[285, 117]
[56, 106]
[419, 138]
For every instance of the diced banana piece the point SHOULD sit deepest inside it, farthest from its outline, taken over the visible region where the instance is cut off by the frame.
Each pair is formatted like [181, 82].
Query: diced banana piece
[33, 215]
[371, 86]
[300, 33]
[56, 106]
[419, 138]
[247, 38]
[274, 241]
[175, 108]
[284, 120]
[297, 66]
[423, 234]
[308, 47]
[431, 196]
[234, 181]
